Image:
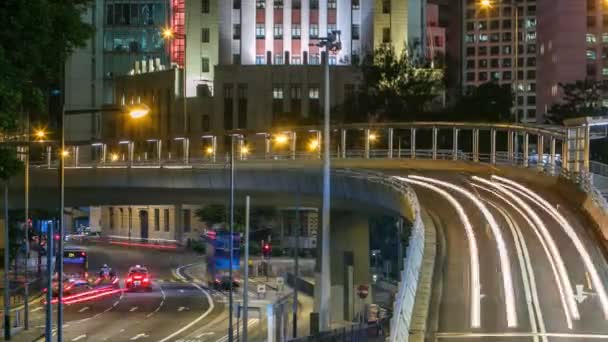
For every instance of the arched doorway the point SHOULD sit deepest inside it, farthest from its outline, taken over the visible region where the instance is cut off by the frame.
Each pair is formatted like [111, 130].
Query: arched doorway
[143, 223]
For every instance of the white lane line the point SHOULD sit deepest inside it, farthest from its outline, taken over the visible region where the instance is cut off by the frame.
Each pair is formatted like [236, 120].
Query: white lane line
[133, 309]
[84, 309]
[526, 273]
[578, 244]
[473, 250]
[562, 280]
[209, 333]
[251, 323]
[503, 253]
[79, 337]
[181, 291]
[198, 319]
[181, 308]
[523, 334]
[138, 336]
[37, 309]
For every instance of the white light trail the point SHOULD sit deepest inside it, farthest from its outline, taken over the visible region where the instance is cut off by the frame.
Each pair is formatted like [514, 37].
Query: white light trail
[473, 249]
[566, 285]
[503, 254]
[578, 244]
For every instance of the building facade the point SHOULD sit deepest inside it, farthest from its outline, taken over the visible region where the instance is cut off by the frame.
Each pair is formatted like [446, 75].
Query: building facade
[500, 45]
[435, 35]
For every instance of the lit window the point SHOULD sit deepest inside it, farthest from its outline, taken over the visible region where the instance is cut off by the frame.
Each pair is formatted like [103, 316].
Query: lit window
[278, 31]
[260, 31]
[591, 54]
[314, 31]
[605, 71]
[260, 3]
[313, 93]
[315, 59]
[278, 58]
[331, 28]
[259, 59]
[296, 60]
[333, 60]
[331, 4]
[591, 38]
[296, 31]
[277, 92]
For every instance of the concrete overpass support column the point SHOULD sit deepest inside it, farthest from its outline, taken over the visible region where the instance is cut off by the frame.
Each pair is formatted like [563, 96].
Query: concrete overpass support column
[294, 137]
[367, 133]
[76, 155]
[565, 155]
[510, 146]
[350, 266]
[413, 143]
[475, 145]
[526, 148]
[455, 143]
[104, 153]
[435, 131]
[552, 156]
[241, 144]
[586, 143]
[391, 132]
[178, 222]
[49, 156]
[577, 149]
[540, 152]
[319, 138]
[266, 146]
[493, 146]
[186, 143]
[342, 142]
[130, 151]
[159, 150]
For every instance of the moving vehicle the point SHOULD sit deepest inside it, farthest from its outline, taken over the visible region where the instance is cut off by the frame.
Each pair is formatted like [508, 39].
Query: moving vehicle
[75, 263]
[218, 259]
[70, 287]
[138, 278]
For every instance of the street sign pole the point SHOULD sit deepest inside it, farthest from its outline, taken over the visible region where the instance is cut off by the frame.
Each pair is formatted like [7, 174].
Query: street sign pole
[246, 275]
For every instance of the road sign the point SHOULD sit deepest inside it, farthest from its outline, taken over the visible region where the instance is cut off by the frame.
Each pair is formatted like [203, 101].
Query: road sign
[362, 291]
[261, 288]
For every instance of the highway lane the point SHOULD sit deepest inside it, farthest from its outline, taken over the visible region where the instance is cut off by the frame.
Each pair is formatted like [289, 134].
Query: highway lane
[540, 308]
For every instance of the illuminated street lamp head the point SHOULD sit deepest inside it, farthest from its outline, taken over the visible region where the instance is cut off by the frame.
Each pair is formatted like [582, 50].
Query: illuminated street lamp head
[313, 145]
[281, 139]
[114, 157]
[65, 153]
[40, 134]
[373, 137]
[485, 3]
[209, 150]
[167, 33]
[138, 111]
[244, 150]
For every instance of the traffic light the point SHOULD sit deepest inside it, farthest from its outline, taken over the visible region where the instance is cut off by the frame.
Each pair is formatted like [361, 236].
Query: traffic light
[266, 250]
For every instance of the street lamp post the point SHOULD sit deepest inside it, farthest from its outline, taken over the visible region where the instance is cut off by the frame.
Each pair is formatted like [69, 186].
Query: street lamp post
[331, 44]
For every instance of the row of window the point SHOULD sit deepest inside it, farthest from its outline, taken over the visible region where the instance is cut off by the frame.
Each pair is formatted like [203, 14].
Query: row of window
[507, 24]
[592, 38]
[296, 31]
[495, 11]
[484, 76]
[129, 14]
[295, 92]
[593, 54]
[166, 221]
[593, 21]
[495, 37]
[313, 59]
[499, 50]
[296, 4]
[498, 63]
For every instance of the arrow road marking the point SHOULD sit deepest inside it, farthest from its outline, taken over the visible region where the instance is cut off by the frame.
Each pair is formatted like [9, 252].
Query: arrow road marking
[580, 295]
[79, 337]
[138, 336]
[84, 309]
[133, 309]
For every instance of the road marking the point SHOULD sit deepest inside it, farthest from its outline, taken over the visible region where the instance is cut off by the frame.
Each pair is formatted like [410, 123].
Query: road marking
[122, 330]
[133, 309]
[181, 308]
[252, 322]
[79, 337]
[201, 317]
[523, 334]
[84, 309]
[37, 309]
[589, 283]
[181, 291]
[580, 295]
[116, 303]
[209, 333]
[138, 336]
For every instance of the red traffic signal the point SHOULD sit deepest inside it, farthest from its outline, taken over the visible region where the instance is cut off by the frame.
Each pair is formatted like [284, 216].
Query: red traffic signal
[266, 249]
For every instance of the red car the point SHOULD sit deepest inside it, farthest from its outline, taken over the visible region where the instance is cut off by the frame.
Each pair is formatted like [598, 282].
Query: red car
[138, 278]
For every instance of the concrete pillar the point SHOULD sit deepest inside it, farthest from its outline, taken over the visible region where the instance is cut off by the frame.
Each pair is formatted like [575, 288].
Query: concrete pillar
[350, 263]
[435, 130]
[240, 145]
[540, 151]
[586, 143]
[493, 146]
[293, 145]
[367, 133]
[510, 146]
[266, 146]
[104, 153]
[552, 156]
[186, 147]
[130, 151]
[475, 144]
[526, 148]
[565, 154]
[76, 155]
[413, 143]
[455, 143]
[320, 142]
[343, 142]
[159, 150]
[178, 222]
[391, 132]
[49, 156]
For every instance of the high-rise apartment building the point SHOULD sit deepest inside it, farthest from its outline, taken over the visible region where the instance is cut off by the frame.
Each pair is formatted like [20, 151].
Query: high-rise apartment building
[500, 44]
[573, 45]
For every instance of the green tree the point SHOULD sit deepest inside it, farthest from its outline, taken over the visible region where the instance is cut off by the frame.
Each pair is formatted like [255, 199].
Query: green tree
[395, 87]
[581, 98]
[37, 36]
[489, 102]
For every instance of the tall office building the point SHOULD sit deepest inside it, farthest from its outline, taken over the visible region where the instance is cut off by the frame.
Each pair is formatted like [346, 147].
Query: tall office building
[499, 48]
[573, 45]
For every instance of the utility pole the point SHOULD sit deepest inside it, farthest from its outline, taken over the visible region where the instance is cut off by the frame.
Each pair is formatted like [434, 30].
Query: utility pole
[246, 275]
[26, 288]
[296, 271]
[61, 226]
[231, 243]
[7, 304]
[48, 327]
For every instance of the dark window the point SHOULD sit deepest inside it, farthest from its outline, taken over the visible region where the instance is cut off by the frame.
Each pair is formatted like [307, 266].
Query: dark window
[355, 59]
[260, 3]
[278, 4]
[331, 4]
[386, 35]
[187, 223]
[205, 6]
[590, 21]
[110, 14]
[157, 219]
[205, 35]
[236, 59]
[386, 6]
[205, 64]
[111, 217]
[296, 4]
[296, 100]
[314, 4]
[470, 76]
[206, 123]
[355, 31]
[228, 124]
[167, 220]
[236, 4]
[356, 4]
[236, 31]
[242, 103]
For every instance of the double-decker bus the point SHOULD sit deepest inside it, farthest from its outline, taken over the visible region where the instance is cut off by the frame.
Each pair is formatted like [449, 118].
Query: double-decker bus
[218, 259]
[75, 263]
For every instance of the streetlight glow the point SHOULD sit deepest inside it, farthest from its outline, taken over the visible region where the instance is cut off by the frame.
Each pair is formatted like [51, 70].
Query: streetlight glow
[313, 145]
[485, 3]
[373, 137]
[209, 150]
[245, 150]
[139, 111]
[65, 153]
[114, 157]
[281, 139]
[167, 33]
[40, 134]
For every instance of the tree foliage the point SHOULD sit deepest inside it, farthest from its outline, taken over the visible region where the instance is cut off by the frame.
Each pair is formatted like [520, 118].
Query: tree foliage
[581, 98]
[489, 102]
[395, 87]
[37, 36]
